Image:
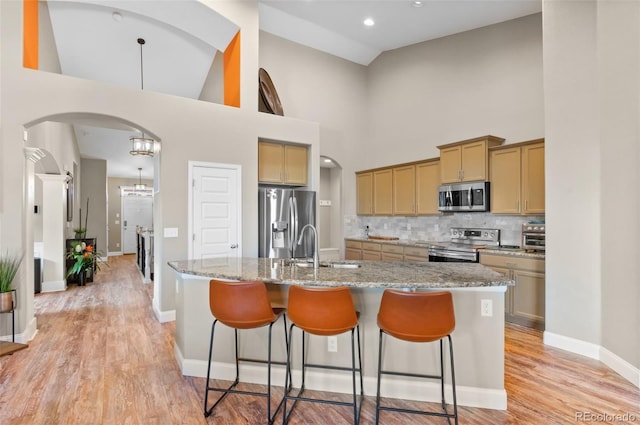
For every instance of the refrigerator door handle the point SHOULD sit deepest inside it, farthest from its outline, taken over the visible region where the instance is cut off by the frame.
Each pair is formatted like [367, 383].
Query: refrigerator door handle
[291, 229]
[295, 222]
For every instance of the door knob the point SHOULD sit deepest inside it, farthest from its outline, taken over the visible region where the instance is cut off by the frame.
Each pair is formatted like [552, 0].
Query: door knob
[234, 245]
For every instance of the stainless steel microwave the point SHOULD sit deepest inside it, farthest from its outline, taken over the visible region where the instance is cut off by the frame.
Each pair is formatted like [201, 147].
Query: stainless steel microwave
[472, 196]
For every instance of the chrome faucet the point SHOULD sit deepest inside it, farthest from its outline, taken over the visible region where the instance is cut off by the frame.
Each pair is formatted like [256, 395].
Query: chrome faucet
[316, 260]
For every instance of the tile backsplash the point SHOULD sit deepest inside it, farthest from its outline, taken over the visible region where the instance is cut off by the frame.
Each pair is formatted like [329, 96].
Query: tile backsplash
[436, 228]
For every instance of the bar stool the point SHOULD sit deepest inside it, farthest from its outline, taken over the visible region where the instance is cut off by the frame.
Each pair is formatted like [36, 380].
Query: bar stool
[328, 312]
[242, 305]
[418, 317]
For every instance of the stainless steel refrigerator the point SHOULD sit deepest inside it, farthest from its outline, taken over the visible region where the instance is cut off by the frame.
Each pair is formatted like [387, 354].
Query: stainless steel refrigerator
[282, 215]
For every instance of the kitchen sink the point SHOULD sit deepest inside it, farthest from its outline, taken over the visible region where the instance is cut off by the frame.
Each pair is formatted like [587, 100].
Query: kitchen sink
[331, 264]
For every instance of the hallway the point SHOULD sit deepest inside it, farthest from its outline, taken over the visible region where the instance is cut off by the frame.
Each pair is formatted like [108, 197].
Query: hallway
[101, 357]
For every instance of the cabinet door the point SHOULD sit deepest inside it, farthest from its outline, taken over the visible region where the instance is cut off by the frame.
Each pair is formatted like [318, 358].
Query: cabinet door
[505, 181]
[427, 183]
[533, 179]
[450, 164]
[352, 254]
[528, 299]
[295, 165]
[474, 161]
[371, 255]
[404, 190]
[270, 162]
[508, 296]
[383, 192]
[364, 193]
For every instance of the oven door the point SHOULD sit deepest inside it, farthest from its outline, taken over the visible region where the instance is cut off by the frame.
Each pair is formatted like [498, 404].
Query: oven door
[444, 255]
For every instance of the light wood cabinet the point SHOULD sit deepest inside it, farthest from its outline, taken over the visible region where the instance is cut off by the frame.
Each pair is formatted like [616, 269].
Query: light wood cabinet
[524, 302]
[383, 192]
[404, 190]
[466, 160]
[517, 178]
[280, 163]
[364, 193]
[366, 250]
[407, 189]
[427, 184]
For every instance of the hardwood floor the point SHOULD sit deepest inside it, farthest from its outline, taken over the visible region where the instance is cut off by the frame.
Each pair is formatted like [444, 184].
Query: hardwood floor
[101, 357]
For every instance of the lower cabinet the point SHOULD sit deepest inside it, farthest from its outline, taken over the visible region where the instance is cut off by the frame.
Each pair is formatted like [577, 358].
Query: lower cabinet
[365, 250]
[524, 302]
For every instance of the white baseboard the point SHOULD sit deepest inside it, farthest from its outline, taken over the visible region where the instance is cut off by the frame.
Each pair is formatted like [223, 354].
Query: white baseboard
[26, 336]
[573, 345]
[340, 382]
[163, 316]
[114, 253]
[594, 351]
[621, 366]
[54, 286]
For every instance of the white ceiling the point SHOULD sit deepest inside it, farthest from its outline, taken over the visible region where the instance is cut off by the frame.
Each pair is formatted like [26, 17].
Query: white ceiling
[97, 39]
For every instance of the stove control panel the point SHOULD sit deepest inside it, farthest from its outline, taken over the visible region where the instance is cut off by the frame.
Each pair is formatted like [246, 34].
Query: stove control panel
[475, 235]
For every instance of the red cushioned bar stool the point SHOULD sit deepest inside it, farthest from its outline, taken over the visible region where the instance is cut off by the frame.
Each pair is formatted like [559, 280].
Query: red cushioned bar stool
[242, 305]
[418, 317]
[328, 312]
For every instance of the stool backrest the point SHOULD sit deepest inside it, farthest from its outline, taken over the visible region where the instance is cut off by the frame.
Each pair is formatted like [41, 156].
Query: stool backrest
[242, 305]
[322, 311]
[416, 316]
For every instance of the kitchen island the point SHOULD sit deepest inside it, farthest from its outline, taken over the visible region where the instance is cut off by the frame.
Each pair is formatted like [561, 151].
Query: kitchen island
[478, 340]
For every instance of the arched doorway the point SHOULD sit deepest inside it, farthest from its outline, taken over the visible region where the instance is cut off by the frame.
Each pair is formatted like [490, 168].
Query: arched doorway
[330, 209]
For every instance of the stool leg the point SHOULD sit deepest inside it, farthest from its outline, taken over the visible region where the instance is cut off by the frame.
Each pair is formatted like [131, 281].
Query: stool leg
[360, 362]
[286, 341]
[442, 403]
[206, 387]
[379, 376]
[453, 381]
[353, 378]
[285, 419]
[235, 331]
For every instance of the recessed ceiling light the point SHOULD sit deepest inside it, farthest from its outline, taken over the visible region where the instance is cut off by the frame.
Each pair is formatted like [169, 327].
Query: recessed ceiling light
[369, 22]
[116, 16]
[417, 3]
[327, 160]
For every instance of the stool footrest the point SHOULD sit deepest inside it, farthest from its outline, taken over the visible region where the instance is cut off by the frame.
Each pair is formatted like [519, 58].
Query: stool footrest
[412, 375]
[244, 359]
[446, 414]
[322, 366]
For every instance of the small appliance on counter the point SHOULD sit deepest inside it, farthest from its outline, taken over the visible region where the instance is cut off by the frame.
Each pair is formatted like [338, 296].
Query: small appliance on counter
[533, 236]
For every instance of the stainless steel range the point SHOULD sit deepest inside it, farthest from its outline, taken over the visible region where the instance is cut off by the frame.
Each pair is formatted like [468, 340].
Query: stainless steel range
[464, 245]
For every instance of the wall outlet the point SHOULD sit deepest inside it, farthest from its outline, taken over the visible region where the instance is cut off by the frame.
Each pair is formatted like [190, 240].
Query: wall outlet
[117, 244]
[486, 308]
[332, 344]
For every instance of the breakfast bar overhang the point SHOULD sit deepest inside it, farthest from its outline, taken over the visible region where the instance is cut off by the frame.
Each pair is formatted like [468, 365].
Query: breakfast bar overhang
[478, 340]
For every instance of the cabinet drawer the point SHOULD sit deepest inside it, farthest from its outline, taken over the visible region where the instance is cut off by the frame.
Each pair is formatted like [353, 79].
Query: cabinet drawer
[371, 255]
[389, 256]
[416, 252]
[394, 249]
[512, 262]
[370, 246]
[352, 254]
[412, 259]
[353, 244]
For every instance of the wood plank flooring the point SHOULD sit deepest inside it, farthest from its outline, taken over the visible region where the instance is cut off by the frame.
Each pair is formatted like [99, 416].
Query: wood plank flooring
[101, 357]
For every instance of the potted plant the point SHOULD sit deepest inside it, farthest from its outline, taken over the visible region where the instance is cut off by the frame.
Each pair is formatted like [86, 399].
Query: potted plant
[84, 257]
[9, 266]
[81, 231]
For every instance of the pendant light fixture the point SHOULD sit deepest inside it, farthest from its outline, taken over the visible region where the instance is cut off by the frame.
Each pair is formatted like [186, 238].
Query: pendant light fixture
[141, 145]
[139, 186]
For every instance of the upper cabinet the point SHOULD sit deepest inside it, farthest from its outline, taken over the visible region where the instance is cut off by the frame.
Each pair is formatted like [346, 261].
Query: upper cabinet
[427, 183]
[364, 190]
[280, 163]
[467, 160]
[517, 178]
[406, 189]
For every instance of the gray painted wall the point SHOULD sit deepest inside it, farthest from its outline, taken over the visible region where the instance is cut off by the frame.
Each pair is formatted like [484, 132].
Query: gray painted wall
[93, 183]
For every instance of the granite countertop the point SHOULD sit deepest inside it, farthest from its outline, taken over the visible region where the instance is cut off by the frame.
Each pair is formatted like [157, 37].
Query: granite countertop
[513, 252]
[370, 274]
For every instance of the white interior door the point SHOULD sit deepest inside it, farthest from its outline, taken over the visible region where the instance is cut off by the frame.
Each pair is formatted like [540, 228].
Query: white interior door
[136, 211]
[216, 194]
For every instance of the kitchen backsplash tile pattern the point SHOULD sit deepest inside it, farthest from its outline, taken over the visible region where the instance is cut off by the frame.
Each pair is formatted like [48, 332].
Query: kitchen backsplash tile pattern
[436, 228]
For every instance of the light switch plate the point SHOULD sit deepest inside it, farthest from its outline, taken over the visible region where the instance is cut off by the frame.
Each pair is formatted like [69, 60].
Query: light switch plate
[325, 203]
[170, 232]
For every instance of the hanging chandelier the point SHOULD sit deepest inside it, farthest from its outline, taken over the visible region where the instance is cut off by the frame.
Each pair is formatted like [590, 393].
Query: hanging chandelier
[139, 186]
[141, 145]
